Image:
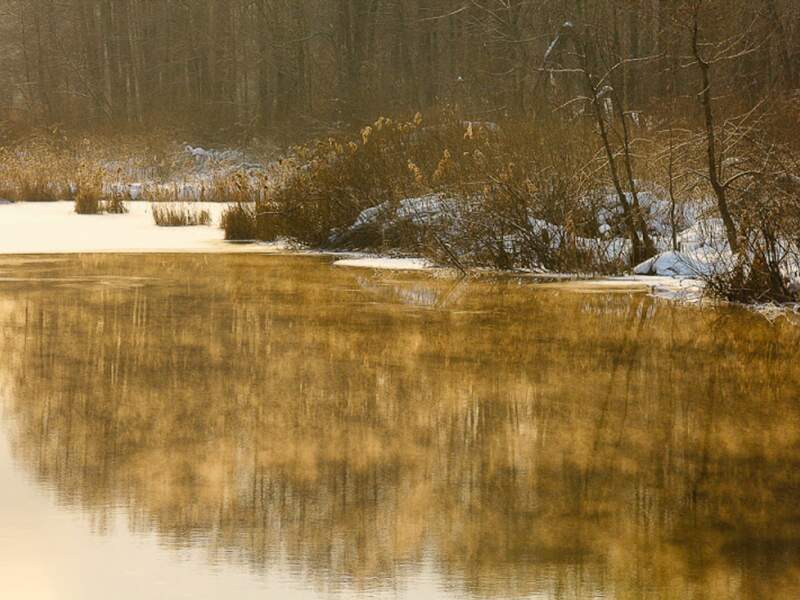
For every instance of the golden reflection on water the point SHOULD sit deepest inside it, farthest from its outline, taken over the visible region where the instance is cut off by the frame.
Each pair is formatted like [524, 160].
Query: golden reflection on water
[523, 441]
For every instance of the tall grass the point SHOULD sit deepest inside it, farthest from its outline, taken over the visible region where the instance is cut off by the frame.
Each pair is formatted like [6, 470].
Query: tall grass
[240, 223]
[89, 191]
[36, 172]
[184, 215]
[117, 204]
[44, 166]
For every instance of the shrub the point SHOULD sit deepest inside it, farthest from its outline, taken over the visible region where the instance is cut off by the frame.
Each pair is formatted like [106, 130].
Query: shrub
[324, 186]
[765, 205]
[463, 193]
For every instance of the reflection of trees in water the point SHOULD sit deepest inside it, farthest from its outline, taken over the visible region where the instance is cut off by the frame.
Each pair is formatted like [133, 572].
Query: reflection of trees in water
[527, 440]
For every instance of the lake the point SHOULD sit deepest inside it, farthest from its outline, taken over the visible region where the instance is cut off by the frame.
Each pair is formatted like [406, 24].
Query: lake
[245, 426]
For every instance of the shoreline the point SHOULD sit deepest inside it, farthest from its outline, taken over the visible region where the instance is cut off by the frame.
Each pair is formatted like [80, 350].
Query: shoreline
[53, 228]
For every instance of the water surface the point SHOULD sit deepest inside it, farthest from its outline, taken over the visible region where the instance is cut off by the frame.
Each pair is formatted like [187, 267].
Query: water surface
[255, 426]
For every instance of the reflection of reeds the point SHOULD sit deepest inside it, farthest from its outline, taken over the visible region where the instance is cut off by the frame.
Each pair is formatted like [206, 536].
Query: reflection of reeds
[179, 216]
[522, 439]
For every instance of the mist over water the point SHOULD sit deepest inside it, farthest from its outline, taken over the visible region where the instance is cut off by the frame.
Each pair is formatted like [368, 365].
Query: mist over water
[209, 426]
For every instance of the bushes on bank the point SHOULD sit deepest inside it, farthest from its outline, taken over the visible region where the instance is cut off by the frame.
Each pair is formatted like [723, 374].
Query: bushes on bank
[470, 194]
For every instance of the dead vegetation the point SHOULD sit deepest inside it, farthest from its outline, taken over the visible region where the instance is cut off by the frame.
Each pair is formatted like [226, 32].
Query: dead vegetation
[470, 194]
[239, 223]
[183, 215]
[464, 193]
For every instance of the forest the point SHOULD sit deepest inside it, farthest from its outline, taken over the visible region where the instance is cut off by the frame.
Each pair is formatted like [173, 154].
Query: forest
[570, 135]
[250, 65]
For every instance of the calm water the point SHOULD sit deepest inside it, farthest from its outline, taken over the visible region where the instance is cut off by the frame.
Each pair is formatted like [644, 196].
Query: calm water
[272, 427]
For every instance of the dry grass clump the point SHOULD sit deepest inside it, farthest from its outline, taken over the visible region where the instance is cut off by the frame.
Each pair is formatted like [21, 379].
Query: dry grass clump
[43, 166]
[117, 204]
[89, 191]
[91, 197]
[240, 222]
[180, 216]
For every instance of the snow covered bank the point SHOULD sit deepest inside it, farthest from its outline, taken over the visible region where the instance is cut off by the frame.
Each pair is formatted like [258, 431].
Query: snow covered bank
[54, 228]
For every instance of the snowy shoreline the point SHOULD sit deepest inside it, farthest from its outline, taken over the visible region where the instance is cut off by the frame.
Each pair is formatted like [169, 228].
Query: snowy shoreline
[49, 228]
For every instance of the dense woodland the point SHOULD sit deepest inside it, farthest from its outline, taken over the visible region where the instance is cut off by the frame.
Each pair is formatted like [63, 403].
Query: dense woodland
[249, 65]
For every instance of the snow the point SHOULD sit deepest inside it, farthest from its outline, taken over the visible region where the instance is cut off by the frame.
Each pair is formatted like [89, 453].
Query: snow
[672, 275]
[417, 210]
[54, 228]
[387, 263]
[433, 208]
[196, 173]
[202, 155]
[670, 264]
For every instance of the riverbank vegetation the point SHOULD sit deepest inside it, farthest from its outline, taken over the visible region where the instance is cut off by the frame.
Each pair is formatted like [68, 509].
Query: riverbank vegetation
[567, 136]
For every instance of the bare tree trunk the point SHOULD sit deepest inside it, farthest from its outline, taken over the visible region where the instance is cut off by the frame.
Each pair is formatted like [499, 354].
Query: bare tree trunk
[630, 219]
[711, 138]
[649, 247]
[43, 83]
[783, 46]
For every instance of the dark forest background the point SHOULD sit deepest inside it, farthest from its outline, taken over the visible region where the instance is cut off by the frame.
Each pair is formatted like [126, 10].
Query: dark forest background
[305, 67]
